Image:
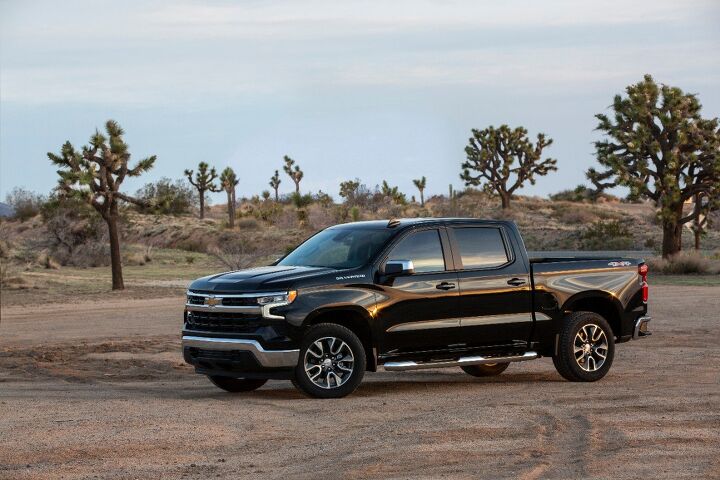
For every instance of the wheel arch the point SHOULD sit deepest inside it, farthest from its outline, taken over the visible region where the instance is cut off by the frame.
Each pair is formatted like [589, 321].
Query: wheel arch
[353, 318]
[602, 303]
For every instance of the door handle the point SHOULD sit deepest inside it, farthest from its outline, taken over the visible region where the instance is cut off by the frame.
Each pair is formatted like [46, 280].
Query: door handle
[516, 282]
[445, 286]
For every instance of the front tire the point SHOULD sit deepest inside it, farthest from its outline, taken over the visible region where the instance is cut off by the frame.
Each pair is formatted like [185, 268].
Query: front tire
[586, 347]
[487, 370]
[331, 362]
[237, 385]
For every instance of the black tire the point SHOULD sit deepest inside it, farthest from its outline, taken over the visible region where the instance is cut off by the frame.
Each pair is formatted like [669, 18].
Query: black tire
[237, 385]
[578, 367]
[331, 378]
[486, 370]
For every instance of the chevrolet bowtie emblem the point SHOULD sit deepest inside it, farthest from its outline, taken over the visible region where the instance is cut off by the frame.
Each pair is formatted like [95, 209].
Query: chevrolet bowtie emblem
[212, 301]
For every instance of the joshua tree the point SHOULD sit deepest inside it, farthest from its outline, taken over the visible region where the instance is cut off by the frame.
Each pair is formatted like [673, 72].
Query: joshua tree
[295, 173]
[420, 184]
[275, 184]
[493, 153]
[393, 193]
[348, 190]
[95, 175]
[228, 182]
[204, 182]
[660, 148]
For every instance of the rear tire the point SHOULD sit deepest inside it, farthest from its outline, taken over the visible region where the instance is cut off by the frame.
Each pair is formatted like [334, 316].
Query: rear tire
[586, 347]
[237, 385]
[331, 363]
[490, 370]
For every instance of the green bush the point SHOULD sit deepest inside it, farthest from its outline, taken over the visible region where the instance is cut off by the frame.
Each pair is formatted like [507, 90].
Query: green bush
[606, 235]
[165, 197]
[26, 204]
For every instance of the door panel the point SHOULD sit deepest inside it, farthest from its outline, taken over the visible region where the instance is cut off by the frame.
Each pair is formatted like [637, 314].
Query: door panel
[495, 291]
[420, 311]
[416, 315]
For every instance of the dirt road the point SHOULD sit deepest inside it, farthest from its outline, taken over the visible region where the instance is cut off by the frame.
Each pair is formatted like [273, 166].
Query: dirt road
[100, 390]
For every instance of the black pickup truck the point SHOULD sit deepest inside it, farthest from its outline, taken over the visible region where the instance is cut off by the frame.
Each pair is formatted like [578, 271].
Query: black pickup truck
[407, 295]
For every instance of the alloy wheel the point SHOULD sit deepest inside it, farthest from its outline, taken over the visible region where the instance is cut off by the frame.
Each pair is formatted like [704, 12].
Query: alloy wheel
[590, 347]
[329, 362]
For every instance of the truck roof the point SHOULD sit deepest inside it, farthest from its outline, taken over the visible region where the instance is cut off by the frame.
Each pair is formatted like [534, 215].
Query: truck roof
[408, 222]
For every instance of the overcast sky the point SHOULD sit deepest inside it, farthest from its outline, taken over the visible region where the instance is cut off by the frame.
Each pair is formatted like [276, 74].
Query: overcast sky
[375, 90]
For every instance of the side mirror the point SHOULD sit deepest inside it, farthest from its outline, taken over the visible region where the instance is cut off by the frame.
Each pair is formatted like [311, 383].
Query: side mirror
[399, 267]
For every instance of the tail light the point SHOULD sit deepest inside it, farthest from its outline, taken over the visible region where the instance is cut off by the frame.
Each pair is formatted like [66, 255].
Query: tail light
[643, 272]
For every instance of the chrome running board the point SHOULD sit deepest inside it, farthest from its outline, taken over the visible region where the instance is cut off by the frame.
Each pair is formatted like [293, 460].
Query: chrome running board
[460, 362]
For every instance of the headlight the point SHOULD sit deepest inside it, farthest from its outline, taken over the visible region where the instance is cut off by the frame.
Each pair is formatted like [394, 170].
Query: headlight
[285, 298]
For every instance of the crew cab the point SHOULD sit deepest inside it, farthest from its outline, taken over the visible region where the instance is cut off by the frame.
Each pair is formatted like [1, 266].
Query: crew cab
[406, 295]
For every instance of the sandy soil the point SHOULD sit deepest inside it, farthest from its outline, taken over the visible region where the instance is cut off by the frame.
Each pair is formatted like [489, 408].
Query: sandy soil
[100, 391]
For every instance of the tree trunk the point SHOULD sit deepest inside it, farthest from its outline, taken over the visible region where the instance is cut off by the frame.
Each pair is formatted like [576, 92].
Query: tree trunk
[505, 199]
[202, 204]
[672, 237]
[422, 199]
[115, 259]
[276, 195]
[697, 227]
[231, 211]
[297, 188]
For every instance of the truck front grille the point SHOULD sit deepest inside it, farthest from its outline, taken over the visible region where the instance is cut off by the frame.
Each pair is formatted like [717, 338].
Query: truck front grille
[224, 322]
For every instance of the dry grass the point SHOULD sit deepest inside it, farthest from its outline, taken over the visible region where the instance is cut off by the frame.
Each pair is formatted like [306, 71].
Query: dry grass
[685, 263]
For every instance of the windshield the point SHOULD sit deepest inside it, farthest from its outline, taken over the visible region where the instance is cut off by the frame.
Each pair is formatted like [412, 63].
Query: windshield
[338, 248]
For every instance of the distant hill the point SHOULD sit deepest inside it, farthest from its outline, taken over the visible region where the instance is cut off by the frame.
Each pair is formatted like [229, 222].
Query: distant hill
[6, 210]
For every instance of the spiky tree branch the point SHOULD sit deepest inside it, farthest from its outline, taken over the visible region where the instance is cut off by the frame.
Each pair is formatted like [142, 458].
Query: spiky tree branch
[502, 160]
[275, 184]
[204, 182]
[293, 172]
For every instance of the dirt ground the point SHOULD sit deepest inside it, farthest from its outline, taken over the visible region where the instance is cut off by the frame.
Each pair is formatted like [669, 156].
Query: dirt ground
[99, 390]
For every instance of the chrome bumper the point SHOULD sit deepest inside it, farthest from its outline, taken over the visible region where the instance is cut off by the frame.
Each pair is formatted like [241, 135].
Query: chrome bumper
[641, 330]
[266, 358]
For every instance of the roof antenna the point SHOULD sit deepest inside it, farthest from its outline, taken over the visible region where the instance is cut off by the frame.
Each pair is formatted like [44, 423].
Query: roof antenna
[393, 222]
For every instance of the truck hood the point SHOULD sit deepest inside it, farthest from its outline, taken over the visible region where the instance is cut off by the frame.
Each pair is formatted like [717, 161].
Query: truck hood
[258, 279]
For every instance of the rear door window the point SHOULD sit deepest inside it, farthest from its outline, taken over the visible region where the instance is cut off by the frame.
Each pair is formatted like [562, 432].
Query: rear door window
[481, 247]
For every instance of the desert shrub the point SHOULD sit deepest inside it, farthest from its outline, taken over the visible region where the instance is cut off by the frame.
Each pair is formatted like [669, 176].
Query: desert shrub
[323, 199]
[238, 254]
[247, 223]
[355, 213]
[606, 235]
[166, 197]
[683, 263]
[76, 234]
[301, 201]
[26, 204]
[134, 259]
[319, 217]
[286, 219]
[265, 210]
[575, 216]
[192, 244]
